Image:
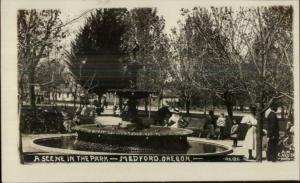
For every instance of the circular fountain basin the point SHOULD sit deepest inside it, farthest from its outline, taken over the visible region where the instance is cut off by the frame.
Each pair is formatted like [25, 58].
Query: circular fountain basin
[69, 144]
[154, 137]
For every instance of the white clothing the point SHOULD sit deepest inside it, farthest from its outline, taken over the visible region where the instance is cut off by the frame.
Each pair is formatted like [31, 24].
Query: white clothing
[292, 129]
[268, 111]
[83, 111]
[175, 118]
[221, 121]
[118, 112]
[250, 138]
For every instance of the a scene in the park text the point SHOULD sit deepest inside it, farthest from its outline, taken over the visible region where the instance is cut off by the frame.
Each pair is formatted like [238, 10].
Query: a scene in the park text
[139, 85]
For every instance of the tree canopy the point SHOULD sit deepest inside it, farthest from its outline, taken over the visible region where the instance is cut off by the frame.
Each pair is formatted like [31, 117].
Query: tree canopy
[95, 57]
[39, 32]
[116, 48]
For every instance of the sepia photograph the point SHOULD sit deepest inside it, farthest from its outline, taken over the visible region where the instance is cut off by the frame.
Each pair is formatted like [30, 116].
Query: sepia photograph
[156, 85]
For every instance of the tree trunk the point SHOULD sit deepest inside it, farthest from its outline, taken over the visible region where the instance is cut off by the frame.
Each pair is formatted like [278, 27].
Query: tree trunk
[205, 106]
[31, 81]
[99, 107]
[49, 95]
[259, 132]
[290, 111]
[21, 92]
[74, 100]
[99, 99]
[259, 129]
[241, 107]
[159, 102]
[146, 104]
[187, 106]
[20, 135]
[75, 97]
[31, 89]
[228, 104]
[229, 111]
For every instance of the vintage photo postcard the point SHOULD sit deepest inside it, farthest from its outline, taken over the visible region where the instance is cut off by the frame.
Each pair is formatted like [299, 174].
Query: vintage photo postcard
[150, 90]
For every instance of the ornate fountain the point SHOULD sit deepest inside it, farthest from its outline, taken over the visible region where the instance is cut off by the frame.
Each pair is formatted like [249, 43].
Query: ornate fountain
[134, 131]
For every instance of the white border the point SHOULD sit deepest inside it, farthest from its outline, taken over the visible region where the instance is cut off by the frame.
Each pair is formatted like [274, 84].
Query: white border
[13, 171]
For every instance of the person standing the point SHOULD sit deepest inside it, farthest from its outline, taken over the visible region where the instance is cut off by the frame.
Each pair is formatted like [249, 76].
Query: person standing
[250, 138]
[234, 132]
[273, 133]
[221, 122]
[210, 125]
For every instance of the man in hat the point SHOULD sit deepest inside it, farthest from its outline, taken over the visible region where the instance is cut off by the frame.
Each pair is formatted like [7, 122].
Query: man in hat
[273, 133]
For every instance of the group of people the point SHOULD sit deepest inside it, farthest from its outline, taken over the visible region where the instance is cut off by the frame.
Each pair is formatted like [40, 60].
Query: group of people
[215, 127]
[271, 141]
[271, 137]
[165, 117]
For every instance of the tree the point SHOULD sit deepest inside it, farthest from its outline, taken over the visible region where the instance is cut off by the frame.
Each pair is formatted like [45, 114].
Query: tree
[95, 59]
[271, 67]
[247, 48]
[146, 45]
[38, 32]
[51, 72]
[218, 40]
[187, 50]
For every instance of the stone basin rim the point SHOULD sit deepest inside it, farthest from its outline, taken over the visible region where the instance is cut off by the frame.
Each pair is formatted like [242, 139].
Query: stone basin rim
[122, 131]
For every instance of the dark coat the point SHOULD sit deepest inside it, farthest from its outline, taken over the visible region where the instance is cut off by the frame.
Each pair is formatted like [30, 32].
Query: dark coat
[273, 126]
[161, 114]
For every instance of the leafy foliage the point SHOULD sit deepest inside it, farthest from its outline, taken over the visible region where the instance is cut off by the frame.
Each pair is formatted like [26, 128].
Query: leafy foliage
[147, 46]
[39, 31]
[98, 44]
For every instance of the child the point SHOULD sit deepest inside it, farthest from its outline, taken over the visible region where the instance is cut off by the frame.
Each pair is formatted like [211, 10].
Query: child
[221, 123]
[234, 133]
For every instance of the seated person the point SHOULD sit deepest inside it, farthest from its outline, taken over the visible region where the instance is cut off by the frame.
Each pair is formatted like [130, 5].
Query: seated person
[176, 120]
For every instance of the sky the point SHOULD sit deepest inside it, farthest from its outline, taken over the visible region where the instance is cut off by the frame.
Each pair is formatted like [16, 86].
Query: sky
[171, 14]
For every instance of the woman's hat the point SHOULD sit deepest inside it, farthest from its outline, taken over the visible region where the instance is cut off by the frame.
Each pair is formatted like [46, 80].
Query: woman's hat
[176, 110]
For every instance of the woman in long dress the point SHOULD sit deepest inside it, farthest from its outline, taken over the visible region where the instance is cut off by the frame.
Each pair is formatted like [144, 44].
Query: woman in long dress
[250, 138]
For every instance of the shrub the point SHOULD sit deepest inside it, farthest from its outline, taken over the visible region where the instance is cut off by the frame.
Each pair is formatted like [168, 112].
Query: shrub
[41, 121]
